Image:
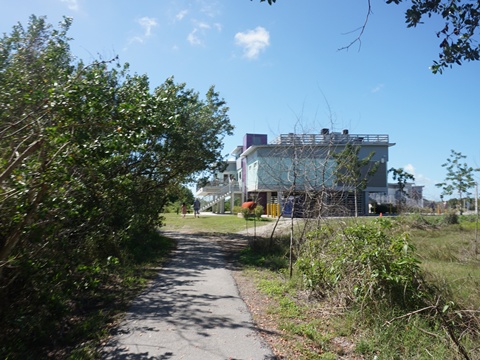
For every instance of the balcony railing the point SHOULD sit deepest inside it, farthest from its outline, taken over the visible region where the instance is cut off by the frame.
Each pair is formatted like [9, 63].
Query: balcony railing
[219, 188]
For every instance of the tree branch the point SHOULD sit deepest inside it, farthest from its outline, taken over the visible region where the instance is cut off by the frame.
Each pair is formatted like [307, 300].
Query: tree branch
[361, 28]
[33, 147]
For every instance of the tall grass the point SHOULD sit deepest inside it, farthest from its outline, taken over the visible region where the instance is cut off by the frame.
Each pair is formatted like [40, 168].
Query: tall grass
[448, 258]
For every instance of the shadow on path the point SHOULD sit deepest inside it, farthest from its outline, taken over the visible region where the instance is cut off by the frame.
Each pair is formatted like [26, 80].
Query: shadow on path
[192, 310]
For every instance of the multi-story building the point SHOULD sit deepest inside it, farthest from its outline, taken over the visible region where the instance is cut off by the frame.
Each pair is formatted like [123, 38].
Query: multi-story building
[300, 169]
[410, 197]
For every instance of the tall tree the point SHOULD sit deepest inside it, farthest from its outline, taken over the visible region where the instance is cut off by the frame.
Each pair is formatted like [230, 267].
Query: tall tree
[90, 153]
[458, 37]
[459, 178]
[34, 63]
[402, 177]
[352, 172]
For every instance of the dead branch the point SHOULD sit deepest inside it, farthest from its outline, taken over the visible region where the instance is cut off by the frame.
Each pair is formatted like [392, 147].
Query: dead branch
[361, 28]
[388, 322]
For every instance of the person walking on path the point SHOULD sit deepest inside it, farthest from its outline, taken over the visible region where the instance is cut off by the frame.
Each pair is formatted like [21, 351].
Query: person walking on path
[184, 209]
[196, 208]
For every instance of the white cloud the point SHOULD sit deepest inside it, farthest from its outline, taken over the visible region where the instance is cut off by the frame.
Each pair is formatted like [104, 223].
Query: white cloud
[180, 15]
[72, 4]
[193, 38]
[199, 32]
[377, 88]
[420, 179]
[410, 169]
[203, 26]
[253, 41]
[209, 8]
[147, 24]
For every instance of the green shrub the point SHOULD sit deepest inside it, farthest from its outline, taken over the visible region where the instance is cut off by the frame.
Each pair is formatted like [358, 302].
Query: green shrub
[237, 209]
[258, 211]
[363, 262]
[172, 208]
[450, 218]
[263, 253]
[245, 212]
[419, 221]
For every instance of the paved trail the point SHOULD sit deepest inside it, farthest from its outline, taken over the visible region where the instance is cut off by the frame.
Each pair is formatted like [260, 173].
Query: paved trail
[191, 311]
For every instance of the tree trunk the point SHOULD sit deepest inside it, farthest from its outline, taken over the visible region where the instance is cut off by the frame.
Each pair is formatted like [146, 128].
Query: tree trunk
[14, 237]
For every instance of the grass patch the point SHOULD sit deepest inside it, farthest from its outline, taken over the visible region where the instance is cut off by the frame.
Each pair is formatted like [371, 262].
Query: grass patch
[405, 339]
[462, 280]
[224, 223]
[265, 254]
[448, 257]
[450, 243]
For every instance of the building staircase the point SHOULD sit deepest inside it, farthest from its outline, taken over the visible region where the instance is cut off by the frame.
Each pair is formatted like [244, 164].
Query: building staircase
[214, 202]
[220, 195]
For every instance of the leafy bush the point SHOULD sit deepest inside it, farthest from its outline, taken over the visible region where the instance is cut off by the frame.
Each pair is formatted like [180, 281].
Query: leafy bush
[468, 218]
[258, 211]
[361, 263]
[450, 218]
[237, 210]
[375, 292]
[245, 212]
[419, 221]
[263, 253]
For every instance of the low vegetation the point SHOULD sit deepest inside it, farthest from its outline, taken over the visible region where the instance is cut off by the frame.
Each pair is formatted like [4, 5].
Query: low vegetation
[211, 223]
[385, 288]
[65, 306]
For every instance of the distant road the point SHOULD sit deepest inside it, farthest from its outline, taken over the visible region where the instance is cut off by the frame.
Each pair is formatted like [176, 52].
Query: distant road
[192, 311]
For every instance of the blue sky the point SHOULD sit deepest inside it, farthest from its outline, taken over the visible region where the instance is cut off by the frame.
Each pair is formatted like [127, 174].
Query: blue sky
[280, 70]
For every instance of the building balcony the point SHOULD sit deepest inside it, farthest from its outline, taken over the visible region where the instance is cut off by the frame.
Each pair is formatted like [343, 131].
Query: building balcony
[218, 188]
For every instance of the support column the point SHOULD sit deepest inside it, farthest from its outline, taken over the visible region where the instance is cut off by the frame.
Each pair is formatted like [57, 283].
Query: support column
[221, 205]
[231, 186]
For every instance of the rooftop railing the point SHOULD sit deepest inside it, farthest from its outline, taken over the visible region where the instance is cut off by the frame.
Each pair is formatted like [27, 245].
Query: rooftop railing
[331, 138]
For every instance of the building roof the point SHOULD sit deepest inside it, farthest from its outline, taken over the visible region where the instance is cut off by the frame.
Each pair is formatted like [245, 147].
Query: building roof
[320, 140]
[237, 151]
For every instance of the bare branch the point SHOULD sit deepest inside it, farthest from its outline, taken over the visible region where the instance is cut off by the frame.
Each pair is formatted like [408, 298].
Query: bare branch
[431, 307]
[361, 29]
